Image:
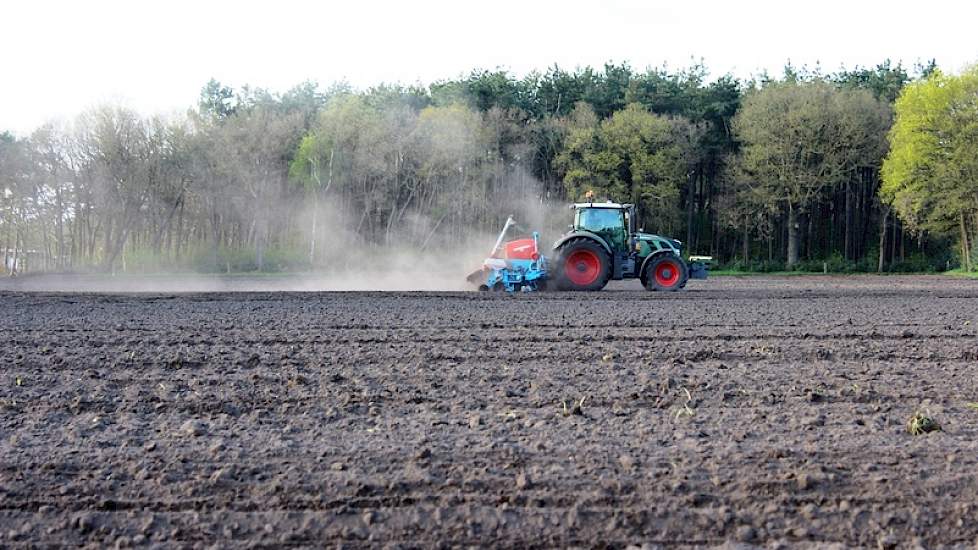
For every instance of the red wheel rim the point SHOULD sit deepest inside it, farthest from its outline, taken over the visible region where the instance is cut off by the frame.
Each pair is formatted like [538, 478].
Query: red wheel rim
[667, 273]
[582, 267]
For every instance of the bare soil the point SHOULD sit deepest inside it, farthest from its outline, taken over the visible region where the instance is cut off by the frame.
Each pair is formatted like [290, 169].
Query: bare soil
[760, 411]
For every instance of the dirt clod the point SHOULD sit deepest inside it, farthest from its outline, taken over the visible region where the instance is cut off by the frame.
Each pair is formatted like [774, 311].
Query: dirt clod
[626, 461]
[746, 533]
[193, 428]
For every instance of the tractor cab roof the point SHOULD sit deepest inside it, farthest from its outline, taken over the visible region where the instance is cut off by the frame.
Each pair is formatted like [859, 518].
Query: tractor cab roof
[609, 204]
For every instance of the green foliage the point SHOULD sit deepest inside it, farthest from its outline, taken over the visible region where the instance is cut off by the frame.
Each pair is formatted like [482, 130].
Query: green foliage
[559, 91]
[834, 264]
[929, 176]
[755, 266]
[634, 156]
[216, 100]
[885, 81]
[679, 93]
[800, 139]
[347, 124]
[484, 90]
[413, 98]
[915, 263]
[919, 424]
[919, 263]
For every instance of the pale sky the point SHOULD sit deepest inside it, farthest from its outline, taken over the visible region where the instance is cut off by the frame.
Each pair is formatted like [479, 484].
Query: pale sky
[61, 57]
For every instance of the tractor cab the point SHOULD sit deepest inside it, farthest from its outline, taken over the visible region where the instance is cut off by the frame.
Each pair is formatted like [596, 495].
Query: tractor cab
[608, 220]
[610, 225]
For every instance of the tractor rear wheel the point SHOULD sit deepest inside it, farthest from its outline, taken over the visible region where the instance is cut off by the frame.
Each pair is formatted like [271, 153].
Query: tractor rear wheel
[583, 265]
[666, 272]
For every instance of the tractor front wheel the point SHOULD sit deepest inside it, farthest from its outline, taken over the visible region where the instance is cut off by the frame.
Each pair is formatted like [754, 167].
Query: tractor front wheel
[583, 265]
[666, 272]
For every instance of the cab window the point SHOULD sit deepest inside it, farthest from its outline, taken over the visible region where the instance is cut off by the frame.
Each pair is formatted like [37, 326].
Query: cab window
[597, 219]
[609, 223]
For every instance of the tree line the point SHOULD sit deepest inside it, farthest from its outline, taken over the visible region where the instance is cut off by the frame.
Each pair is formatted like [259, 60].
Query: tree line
[795, 172]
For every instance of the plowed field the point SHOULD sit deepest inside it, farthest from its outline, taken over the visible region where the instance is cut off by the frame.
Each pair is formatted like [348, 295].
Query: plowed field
[763, 411]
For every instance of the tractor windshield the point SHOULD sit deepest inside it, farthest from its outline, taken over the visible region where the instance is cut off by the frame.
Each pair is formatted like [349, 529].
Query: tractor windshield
[606, 222]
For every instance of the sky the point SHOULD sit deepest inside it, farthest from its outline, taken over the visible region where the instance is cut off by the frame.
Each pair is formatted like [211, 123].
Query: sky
[61, 57]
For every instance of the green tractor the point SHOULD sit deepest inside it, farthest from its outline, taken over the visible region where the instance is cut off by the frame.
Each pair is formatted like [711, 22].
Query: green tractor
[603, 244]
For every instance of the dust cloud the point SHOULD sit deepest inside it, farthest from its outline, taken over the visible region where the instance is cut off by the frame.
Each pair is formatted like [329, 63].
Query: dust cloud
[417, 257]
[374, 269]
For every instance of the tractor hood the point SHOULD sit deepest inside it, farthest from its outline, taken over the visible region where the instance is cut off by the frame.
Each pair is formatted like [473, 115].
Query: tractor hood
[664, 242]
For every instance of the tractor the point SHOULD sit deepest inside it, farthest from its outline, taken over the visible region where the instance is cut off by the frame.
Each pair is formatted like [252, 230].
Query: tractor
[601, 245]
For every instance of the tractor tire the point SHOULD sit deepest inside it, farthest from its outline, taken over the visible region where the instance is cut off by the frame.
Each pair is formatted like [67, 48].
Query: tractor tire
[667, 273]
[582, 265]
